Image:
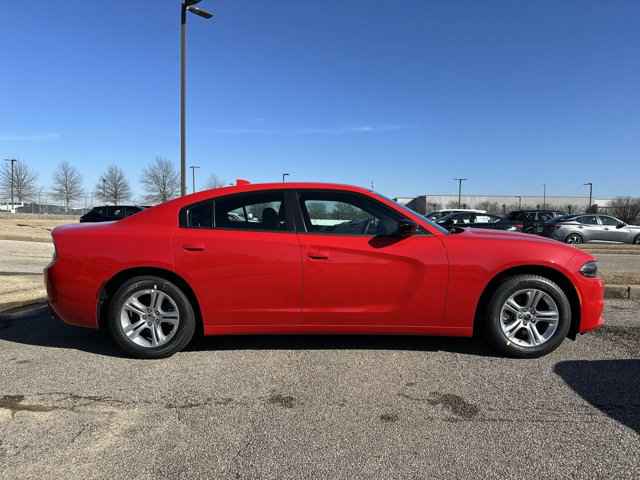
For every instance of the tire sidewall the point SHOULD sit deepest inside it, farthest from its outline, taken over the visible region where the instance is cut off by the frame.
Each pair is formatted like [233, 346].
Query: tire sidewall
[509, 287]
[186, 327]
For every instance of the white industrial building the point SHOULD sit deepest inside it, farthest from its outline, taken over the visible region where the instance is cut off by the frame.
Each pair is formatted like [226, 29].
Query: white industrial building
[501, 203]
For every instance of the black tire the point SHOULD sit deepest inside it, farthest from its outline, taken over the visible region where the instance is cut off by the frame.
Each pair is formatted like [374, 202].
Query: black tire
[184, 331]
[574, 239]
[493, 330]
[636, 240]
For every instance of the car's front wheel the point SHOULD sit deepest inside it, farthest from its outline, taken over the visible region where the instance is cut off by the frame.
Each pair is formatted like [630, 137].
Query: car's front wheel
[150, 317]
[574, 238]
[528, 316]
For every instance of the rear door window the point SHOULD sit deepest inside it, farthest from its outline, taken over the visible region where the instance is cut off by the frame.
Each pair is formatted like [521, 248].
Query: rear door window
[252, 211]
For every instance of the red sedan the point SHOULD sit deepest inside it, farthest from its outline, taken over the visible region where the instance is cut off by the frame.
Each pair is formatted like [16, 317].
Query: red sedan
[315, 258]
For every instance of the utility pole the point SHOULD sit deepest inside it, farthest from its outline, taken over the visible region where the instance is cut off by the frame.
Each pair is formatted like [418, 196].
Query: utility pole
[284, 176]
[519, 197]
[590, 194]
[460, 180]
[193, 177]
[544, 197]
[13, 161]
[185, 6]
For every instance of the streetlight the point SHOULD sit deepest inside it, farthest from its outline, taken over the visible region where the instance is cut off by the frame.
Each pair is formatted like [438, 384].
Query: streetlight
[590, 193]
[460, 180]
[193, 176]
[519, 197]
[284, 176]
[185, 6]
[544, 198]
[13, 161]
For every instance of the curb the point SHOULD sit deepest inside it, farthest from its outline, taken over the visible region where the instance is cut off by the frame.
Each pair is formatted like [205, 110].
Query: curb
[21, 238]
[625, 292]
[620, 292]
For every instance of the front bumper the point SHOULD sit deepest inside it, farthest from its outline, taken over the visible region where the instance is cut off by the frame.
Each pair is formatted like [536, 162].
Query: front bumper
[592, 303]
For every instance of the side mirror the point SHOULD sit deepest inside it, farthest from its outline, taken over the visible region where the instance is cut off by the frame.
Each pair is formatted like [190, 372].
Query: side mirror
[621, 225]
[406, 228]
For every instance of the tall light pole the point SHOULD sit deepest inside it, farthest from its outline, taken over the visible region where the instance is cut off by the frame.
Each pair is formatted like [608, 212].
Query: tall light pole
[185, 6]
[284, 176]
[590, 193]
[544, 197]
[460, 180]
[519, 197]
[13, 161]
[193, 177]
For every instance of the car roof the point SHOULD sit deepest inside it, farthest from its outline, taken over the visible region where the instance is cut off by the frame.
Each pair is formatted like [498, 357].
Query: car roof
[203, 195]
[158, 213]
[461, 210]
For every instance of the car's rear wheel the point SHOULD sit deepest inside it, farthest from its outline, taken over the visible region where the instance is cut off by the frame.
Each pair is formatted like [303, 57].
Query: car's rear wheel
[528, 316]
[636, 240]
[574, 238]
[150, 317]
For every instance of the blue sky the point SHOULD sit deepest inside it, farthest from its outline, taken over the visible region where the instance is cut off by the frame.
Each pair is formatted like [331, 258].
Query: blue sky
[409, 94]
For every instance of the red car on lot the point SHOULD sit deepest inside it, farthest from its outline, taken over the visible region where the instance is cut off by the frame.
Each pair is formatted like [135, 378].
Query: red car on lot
[315, 258]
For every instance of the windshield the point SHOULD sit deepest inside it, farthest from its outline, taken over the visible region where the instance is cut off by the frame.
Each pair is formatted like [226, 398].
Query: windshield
[410, 210]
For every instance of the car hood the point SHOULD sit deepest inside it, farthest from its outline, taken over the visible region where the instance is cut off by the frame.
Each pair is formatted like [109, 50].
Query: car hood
[490, 234]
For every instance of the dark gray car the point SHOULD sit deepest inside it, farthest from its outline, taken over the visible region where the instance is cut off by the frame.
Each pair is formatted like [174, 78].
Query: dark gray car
[587, 228]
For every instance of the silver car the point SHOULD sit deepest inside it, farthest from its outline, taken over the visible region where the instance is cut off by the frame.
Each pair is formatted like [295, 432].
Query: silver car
[588, 228]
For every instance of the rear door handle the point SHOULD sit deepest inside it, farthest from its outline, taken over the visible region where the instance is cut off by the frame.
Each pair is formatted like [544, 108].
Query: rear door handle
[193, 247]
[317, 255]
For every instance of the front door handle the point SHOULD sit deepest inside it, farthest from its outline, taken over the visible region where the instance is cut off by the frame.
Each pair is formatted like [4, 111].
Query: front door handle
[193, 247]
[317, 255]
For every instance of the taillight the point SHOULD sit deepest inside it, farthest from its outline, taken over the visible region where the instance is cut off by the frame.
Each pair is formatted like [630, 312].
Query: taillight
[519, 226]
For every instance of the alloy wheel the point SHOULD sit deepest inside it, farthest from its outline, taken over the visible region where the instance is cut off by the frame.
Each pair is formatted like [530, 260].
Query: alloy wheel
[574, 238]
[529, 317]
[149, 318]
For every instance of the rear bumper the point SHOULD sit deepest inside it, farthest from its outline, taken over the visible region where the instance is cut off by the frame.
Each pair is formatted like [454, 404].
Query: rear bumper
[70, 297]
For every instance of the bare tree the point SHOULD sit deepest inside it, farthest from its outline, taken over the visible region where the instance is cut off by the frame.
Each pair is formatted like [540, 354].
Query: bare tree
[113, 187]
[214, 181]
[626, 209]
[24, 181]
[160, 180]
[67, 184]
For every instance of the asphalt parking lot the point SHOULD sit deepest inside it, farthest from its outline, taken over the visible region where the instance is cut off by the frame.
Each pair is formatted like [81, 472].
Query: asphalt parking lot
[317, 407]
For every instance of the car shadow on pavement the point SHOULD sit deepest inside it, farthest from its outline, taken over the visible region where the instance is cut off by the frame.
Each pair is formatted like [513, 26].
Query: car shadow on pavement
[37, 327]
[612, 386]
[468, 346]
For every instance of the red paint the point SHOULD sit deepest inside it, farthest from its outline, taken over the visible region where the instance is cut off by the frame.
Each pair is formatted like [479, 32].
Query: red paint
[281, 282]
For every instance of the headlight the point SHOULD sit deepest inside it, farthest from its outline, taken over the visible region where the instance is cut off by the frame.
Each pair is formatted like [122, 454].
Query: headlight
[589, 269]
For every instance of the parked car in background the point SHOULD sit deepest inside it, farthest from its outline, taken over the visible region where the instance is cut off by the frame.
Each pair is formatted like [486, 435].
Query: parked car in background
[436, 214]
[109, 213]
[315, 258]
[478, 220]
[533, 220]
[588, 228]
